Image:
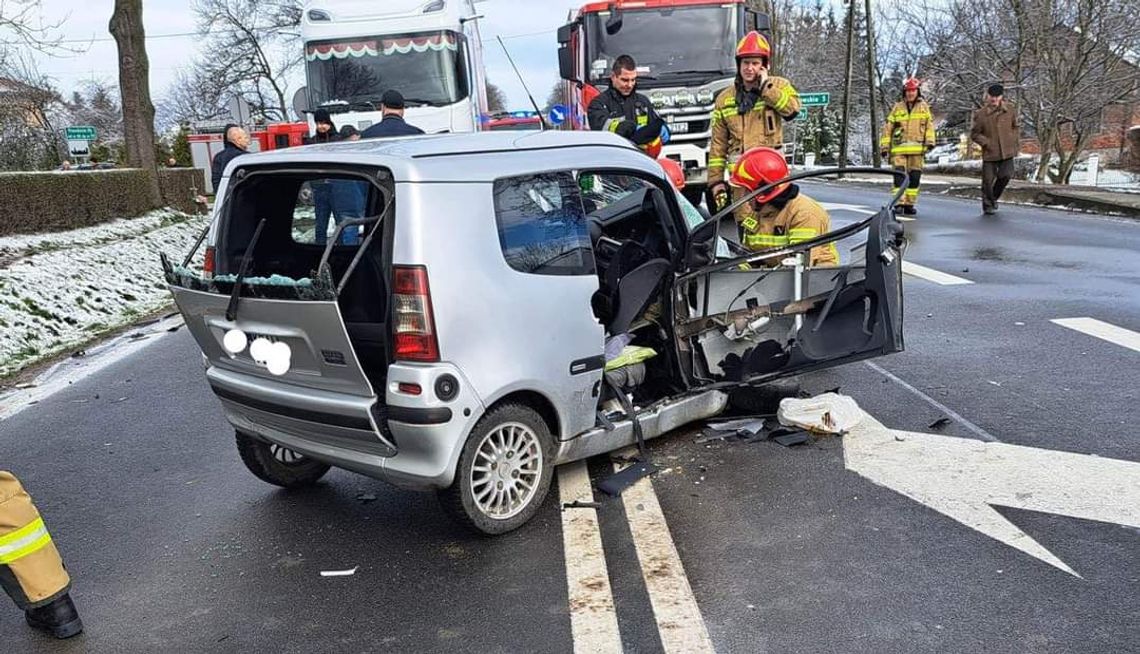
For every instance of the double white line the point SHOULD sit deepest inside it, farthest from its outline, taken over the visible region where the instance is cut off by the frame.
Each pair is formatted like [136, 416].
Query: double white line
[593, 616]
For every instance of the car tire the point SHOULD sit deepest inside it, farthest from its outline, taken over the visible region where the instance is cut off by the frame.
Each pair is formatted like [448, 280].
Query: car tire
[508, 446]
[763, 399]
[278, 465]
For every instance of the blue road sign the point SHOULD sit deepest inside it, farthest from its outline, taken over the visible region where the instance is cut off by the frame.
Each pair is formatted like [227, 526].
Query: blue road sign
[558, 114]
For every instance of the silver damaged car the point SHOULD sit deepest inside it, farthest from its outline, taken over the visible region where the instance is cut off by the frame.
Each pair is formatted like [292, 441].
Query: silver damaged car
[463, 313]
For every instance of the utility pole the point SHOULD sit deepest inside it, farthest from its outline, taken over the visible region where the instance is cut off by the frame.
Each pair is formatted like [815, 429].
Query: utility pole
[875, 156]
[847, 84]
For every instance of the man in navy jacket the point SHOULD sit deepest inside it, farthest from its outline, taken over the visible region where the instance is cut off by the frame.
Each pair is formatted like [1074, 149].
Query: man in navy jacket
[392, 106]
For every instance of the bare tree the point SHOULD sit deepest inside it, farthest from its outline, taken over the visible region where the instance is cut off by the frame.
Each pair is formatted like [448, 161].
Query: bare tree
[496, 99]
[134, 85]
[29, 117]
[253, 46]
[192, 97]
[22, 24]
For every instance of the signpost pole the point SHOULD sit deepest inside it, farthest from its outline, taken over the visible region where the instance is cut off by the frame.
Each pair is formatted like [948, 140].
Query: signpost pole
[847, 85]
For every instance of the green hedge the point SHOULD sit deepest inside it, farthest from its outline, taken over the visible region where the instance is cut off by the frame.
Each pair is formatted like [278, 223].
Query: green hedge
[180, 185]
[59, 201]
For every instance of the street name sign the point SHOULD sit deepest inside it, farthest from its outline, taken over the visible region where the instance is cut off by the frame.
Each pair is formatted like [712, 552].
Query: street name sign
[81, 133]
[815, 99]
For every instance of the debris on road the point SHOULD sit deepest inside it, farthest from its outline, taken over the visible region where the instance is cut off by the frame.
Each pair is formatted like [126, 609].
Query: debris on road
[340, 573]
[789, 438]
[748, 429]
[579, 504]
[939, 424]
[829, 413]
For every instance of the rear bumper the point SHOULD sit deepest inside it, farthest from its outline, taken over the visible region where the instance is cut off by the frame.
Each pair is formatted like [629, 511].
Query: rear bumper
[409, 442]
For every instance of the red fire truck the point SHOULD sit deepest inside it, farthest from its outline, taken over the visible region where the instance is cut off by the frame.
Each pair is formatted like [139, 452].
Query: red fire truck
[685, 52]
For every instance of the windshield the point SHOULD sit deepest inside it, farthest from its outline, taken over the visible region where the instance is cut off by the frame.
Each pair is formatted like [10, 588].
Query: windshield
[671, 42]
[427, 68]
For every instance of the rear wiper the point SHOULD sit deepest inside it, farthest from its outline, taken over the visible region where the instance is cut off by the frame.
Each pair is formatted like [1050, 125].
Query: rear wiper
[231, 308]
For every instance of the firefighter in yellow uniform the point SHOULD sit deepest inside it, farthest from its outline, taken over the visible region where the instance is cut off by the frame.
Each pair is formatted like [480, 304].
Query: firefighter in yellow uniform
[31, 570]
[749, 114]
[783, 215]
[907, 137]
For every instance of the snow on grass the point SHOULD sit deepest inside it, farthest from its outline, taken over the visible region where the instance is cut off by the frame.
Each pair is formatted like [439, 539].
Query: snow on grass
[61, 289]
[12, 247]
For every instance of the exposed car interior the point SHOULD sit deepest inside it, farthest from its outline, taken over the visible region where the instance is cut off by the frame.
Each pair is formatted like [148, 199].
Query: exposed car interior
[630, 227]
[290, 248]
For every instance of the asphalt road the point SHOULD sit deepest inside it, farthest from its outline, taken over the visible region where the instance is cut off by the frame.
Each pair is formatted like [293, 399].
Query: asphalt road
[174, 545]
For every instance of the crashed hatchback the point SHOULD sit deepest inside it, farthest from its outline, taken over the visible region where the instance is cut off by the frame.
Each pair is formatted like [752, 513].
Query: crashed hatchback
[478, 309]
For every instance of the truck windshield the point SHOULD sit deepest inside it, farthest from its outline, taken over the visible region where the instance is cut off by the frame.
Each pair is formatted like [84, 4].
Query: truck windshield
[675, 42]
[427, 68]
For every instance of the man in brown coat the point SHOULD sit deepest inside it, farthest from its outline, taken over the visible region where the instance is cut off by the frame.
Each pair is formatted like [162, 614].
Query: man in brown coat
[998, 131]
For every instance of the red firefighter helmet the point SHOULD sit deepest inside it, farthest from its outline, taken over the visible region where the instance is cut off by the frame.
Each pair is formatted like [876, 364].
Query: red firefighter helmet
[753, 45]
[911, 84]
[759, 167]
[673, 172]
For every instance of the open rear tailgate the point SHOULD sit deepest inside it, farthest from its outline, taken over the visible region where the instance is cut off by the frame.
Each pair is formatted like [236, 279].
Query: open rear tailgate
[321, 353]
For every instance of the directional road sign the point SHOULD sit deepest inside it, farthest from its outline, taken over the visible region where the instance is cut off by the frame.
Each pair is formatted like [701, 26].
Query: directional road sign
[815, 99]
[82, 133]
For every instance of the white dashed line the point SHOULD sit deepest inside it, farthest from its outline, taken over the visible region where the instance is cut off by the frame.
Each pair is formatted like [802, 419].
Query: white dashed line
[675, 608]
[1102, 330]
[593, 619]
[932, 275]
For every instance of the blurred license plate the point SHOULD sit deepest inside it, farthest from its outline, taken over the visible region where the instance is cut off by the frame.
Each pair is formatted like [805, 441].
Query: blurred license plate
[678, 128]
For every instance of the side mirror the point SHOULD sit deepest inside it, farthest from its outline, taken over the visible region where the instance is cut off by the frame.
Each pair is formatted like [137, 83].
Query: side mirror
[566, 65]
[564, 33]
[763, 22]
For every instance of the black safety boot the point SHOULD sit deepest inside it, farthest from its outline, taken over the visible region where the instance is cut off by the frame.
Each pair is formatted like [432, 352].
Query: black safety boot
[910, 210]
[57, 618]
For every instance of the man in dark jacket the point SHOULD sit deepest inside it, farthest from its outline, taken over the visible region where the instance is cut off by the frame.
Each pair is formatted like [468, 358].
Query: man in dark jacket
[392, 106]
[998, 131]
[236, 142]
[324, 130]
[624, 111]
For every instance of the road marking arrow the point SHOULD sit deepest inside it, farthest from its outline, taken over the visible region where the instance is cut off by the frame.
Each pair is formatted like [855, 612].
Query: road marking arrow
[964, 479]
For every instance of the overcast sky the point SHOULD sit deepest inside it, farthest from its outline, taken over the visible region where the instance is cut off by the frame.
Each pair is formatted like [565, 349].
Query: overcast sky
[528, 28]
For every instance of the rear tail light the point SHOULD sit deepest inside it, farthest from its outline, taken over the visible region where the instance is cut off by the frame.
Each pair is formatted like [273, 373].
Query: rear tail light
[208, 263]
[413, 325]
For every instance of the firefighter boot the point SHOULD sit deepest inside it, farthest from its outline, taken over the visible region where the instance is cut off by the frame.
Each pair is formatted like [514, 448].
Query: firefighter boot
[58, 618]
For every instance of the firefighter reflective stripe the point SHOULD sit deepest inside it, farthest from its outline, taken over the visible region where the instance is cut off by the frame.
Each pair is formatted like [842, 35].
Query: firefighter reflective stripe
[787, 94]
[764, 241]
[801, 234]
[611, 125]
[908, 148]
[716, 162]
[903, 116]
[24, 541]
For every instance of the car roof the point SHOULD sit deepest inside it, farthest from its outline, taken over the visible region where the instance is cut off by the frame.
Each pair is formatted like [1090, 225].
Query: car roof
[470, 157]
